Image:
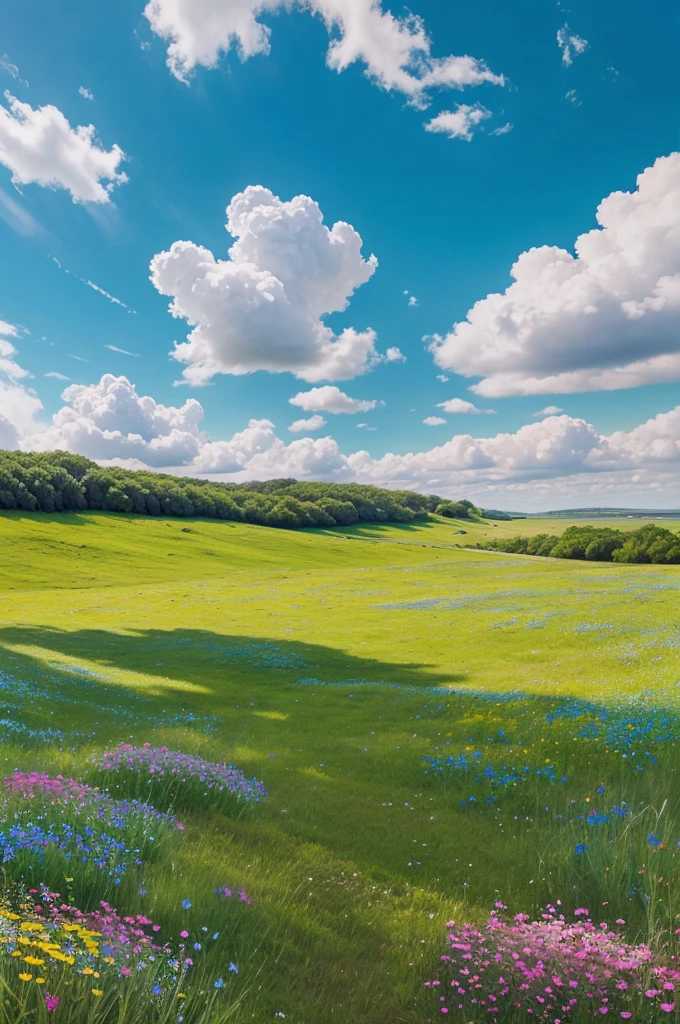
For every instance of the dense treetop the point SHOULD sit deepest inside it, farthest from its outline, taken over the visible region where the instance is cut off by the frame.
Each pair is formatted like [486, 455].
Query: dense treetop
[61, 482]
[650, 544]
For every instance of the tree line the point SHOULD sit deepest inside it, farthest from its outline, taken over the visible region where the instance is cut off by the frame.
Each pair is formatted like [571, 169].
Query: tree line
[61, 482]
[652, 545]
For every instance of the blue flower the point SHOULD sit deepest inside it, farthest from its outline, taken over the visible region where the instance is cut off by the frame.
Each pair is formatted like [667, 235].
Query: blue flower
[600, 788]
[233, 968]
[186, 904]
[653, 841]
[219, 983]
[157, 990]
[580, 848]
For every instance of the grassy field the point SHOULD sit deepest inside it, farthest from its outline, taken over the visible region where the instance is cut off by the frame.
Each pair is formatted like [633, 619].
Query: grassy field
[331, 665]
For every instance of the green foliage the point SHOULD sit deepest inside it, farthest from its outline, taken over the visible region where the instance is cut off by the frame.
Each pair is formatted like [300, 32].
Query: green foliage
[458, 510]
[61, 482]
[650, 544]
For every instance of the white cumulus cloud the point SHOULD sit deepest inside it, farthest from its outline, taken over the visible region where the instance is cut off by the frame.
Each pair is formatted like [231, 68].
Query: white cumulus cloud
[261, 308]
[330, 398]
[20, 407]
[460, 406]
[315, 422]
[607, 317]
[459, 123]
[39, 146]
[557, 455]
[395, 52]
[550, 410]
[433, 421]
[109, 420]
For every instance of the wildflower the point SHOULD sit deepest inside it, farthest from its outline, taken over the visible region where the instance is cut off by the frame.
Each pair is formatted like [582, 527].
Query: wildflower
[668, 1007]
[97, 992]
[25, 977]
[653, 841]
[233, 968]
[219, 983]
[186, 904]
[580, 848]
[51, 1002]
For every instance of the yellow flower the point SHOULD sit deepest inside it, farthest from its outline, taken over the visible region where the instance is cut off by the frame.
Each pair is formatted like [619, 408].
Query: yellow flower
[180, 995]
[97, 992]
[40, 981]
[25, 977]
[33, 960]
[17, 952]
[88, 970]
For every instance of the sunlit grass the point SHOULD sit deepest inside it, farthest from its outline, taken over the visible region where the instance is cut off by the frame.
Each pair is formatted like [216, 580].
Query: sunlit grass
[330, 669]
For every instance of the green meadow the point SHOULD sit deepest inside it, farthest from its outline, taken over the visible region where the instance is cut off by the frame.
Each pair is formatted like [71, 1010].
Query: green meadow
[332, 665]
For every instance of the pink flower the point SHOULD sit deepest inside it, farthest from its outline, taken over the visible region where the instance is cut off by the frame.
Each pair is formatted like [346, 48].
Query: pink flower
[626, 1014]
[51, 1002]
[668, 1007]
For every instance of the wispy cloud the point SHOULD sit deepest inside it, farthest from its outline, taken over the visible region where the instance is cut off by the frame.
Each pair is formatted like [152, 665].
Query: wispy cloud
[58, 376]
[570, 44]
[9, 68]
[78, 358]
[503, 130]
[19, 219]
[92, 285]
[85, 93]
[123, 351]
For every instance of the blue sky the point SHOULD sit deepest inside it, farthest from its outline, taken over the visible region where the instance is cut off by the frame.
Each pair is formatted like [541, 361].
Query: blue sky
[445, 217]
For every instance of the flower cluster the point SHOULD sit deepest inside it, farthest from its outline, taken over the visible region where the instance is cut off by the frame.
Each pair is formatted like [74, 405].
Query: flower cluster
[84, 846]
[551, 969]
[118, 814]
[171, 766]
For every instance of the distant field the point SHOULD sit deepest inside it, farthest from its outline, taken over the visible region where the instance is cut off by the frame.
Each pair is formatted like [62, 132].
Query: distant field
[330, 664]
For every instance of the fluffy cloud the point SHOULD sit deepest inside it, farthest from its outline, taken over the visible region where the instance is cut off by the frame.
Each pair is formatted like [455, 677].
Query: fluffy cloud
[459, 123]
[394, 355]
[657, 440]
[460, 406]
[570, 44]
[261, 308]
[234, 456]
[20, 407]
[606, 318]
[257, 452]
[330, 399]
[315, 422]
[109, 420]
[394, 51]
[433, 421]
[553, 447]
[40, 146]
[8, 364]
[550, 410]
[9, 435]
